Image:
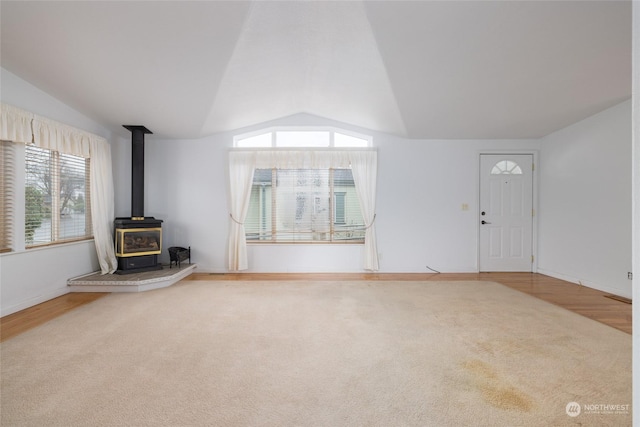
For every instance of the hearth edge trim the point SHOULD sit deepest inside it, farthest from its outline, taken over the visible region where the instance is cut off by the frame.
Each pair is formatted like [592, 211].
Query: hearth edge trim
[182, 272]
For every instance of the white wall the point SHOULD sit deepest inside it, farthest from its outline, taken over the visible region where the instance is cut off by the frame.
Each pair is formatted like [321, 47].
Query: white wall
[585, 202]
[29, 277]
[422, 186]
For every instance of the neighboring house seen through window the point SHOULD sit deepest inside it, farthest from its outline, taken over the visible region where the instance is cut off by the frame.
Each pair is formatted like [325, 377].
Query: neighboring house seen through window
[303, 205]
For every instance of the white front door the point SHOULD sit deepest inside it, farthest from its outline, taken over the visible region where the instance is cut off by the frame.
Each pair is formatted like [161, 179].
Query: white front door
[506, 212]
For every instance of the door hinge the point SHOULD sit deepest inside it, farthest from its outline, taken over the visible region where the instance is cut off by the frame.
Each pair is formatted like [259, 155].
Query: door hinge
[532, 259]
[533, 166]
[533, 212]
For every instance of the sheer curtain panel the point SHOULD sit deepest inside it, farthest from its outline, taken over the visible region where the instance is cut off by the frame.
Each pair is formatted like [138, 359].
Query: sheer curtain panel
[241, 169]
[364, 167]
[102, 207]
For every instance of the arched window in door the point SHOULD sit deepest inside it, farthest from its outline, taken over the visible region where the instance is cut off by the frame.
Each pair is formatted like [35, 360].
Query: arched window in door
[506, 167]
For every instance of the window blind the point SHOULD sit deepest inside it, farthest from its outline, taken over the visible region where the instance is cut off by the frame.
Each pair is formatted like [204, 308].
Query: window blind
[7, 158]
[57, 197]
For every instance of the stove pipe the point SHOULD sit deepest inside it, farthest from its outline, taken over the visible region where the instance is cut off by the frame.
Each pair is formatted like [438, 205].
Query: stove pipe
[137, 170]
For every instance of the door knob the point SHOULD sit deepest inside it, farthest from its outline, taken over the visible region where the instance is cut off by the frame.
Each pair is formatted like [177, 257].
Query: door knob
[485, 222]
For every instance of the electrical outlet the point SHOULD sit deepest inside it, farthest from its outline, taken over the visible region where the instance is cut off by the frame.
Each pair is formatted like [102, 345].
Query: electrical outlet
[630, 275]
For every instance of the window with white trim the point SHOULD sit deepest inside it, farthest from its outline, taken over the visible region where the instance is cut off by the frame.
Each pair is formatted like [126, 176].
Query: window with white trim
[302, 138]
[303, 205]
[506, 167]
[57, 199]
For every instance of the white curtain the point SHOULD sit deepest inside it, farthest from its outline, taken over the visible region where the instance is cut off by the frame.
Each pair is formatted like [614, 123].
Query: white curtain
[364, 164]
[302, 159]
[62, 138]
[241, 168]
[15, 124]
[102, 208]
[21, 126]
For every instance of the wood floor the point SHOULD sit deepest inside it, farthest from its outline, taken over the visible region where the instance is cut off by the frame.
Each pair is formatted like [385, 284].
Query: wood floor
[588, 302]
[29, 318]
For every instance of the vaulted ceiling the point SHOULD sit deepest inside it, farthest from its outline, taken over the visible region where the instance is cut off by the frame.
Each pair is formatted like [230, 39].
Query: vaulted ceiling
[419, 69]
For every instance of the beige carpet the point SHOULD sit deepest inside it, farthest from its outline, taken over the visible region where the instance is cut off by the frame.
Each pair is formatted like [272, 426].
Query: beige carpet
[318, 354]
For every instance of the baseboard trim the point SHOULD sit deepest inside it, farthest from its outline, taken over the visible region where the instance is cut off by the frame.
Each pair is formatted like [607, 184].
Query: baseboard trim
[586, 283]
[34, 301]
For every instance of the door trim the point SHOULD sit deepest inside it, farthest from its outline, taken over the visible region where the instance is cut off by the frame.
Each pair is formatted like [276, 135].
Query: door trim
[534, 202]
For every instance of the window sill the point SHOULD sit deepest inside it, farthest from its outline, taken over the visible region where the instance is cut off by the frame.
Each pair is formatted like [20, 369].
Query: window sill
[49, 246]
[269, 242]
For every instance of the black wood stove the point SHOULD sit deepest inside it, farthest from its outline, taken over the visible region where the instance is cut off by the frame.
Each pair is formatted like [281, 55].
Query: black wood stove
[138, 239]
